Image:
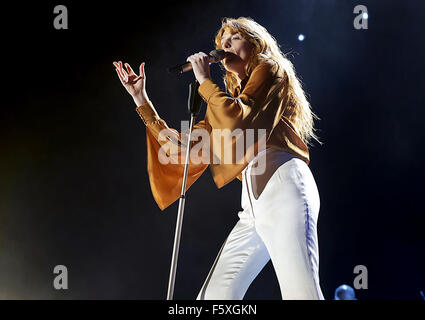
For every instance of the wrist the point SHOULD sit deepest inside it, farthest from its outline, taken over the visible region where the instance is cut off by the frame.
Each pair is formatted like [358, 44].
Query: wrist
[140, 99]
[202, 80]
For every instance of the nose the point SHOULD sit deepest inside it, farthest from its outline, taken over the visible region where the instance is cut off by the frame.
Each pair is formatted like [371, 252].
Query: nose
[226, 44]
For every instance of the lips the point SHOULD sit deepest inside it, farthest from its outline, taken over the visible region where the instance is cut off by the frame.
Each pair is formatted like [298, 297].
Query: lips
[230, 56]
[228, 53]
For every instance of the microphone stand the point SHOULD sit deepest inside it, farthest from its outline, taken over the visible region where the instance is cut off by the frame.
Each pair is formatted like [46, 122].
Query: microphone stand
[194, 106]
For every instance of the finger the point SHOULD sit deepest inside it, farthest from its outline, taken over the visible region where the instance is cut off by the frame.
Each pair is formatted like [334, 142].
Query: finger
[130, 71]
[117, 68]
[142, 69]
[200, 57]
[203, 56]
[125, 75]
[119, 71]
[120, 76]
[193, 57]
[196, 59]
[116, 65]
[121, 68]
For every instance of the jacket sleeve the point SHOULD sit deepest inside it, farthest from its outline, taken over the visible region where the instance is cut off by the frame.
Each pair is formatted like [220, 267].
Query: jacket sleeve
[250, 109]
[166, 152]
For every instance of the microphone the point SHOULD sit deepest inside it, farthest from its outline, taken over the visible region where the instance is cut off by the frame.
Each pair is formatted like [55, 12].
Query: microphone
[215, 56]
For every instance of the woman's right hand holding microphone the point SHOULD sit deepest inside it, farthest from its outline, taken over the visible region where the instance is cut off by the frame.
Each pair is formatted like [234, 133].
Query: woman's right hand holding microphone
[133, 83]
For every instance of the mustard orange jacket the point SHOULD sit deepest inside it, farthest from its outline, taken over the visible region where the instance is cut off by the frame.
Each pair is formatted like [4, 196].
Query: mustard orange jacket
[260, 102]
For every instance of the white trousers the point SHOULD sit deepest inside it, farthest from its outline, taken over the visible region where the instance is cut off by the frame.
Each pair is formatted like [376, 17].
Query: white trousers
[280, 225]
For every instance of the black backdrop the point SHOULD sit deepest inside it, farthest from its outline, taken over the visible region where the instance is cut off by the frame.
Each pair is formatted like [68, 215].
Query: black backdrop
[74, 189]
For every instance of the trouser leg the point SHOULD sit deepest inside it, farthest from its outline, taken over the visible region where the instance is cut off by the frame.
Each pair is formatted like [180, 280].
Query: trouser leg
[242, 256]
[286, 220]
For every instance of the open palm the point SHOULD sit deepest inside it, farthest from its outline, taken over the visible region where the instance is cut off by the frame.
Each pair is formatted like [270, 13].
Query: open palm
[133, 83]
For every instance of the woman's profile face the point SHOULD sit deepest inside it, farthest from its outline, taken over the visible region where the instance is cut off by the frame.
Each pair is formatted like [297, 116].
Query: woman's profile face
[238, 51]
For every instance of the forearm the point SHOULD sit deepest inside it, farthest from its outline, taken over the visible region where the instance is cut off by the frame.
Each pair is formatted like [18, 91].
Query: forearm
[170, 139]
[153, 122]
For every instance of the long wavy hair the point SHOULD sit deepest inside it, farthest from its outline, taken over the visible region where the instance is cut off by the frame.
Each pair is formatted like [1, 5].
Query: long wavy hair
[265, 46]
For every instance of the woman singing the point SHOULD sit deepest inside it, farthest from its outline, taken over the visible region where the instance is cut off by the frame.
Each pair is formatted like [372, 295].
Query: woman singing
[280, 203]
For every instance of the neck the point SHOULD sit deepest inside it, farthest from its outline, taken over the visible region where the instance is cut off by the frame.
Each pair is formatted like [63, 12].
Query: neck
[240, 77]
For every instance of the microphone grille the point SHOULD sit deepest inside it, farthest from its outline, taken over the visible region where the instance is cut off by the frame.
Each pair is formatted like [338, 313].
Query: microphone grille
[218, 54]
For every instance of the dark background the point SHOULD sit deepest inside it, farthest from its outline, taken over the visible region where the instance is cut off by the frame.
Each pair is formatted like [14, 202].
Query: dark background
[74, 189]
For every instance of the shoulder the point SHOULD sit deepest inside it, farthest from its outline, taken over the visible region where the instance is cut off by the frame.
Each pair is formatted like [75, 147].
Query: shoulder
[267, 68]
[266, 65]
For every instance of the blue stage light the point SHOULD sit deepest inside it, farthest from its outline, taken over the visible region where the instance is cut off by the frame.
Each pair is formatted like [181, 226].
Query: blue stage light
[301, 37]
[365, 16]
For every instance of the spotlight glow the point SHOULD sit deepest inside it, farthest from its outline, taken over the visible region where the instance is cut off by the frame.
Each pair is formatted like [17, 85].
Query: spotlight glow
[365, 16]
[301, 37]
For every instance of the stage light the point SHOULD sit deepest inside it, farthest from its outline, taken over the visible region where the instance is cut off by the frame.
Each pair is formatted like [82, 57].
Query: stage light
[365, 16]
[301, 37]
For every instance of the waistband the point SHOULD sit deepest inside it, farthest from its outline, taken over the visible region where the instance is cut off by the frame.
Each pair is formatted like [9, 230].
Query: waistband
[263, 153]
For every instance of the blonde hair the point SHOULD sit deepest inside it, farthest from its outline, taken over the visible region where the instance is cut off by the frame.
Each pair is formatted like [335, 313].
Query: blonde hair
[265, 47]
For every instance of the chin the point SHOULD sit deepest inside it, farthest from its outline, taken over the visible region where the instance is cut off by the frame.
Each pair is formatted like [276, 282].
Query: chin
[229, 69]
[231, 65]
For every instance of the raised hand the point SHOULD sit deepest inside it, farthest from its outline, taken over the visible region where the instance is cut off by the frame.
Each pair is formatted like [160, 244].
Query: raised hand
[133, 83]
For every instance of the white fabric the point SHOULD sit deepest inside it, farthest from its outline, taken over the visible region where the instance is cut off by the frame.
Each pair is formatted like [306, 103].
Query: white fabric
[279, 223]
